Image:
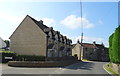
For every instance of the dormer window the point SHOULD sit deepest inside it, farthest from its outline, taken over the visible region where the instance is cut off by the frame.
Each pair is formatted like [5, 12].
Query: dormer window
[56, 37]
[50, 34]
[65, 41]
[61, 39]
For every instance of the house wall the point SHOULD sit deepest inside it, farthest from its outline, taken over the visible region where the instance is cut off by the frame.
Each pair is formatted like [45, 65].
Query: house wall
[28, 39]
[54, 52]
[2, 43]
[89, 53]
[56, 48]
[76, 50]
[60, 51]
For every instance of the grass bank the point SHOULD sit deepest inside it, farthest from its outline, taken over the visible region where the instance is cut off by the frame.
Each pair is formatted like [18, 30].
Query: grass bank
[107, 67]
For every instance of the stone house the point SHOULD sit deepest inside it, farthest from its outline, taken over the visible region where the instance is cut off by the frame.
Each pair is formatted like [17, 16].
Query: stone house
[76, 50]
[32, 37]
[96, 52]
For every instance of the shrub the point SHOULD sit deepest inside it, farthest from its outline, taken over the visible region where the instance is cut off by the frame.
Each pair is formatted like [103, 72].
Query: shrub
[110, 48]
[116, 45]
[4, 54]
[30, 58]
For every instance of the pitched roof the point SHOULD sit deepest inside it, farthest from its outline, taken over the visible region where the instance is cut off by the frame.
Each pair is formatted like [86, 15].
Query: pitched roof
[100, 46]
[73, 45]
[41, 25]
[87, 45]
[45, 28]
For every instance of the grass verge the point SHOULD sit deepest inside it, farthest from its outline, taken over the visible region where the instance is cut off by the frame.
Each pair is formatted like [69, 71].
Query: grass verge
[85, 60]
[107, 67]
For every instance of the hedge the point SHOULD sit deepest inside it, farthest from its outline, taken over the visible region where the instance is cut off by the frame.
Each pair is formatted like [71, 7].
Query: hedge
[4, 54]
[114, 46]
[110, 48]
[30, 58]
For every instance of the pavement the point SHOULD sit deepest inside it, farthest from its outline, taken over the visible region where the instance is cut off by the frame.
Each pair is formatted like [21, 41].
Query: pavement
[85, 68]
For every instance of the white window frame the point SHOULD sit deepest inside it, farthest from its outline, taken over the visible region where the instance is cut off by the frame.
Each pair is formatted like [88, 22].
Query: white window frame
[50, 34]
[56, 37]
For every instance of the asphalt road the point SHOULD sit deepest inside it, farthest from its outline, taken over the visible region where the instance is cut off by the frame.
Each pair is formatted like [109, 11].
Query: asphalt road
[83, 68]
[78, 69]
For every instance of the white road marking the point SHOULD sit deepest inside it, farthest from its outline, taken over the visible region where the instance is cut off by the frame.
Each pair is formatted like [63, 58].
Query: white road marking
[106, 70]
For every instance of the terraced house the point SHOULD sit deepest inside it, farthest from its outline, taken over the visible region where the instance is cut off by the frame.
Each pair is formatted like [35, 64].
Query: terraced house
[90, 51]
[32, 37]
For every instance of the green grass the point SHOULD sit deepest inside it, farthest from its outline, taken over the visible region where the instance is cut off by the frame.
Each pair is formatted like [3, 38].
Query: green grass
[5, 51]
[85, 60]
[107, 67]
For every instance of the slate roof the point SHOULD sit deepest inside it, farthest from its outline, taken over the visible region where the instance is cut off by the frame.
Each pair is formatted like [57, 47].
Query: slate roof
[41, 25]
[45, 28]
[73, 45]
[100, 46]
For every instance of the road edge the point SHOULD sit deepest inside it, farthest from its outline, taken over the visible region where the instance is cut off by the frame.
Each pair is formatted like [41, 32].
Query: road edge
[106, 69]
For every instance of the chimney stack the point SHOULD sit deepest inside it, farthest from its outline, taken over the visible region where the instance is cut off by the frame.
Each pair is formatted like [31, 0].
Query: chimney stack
[94, 42]
[41, 21]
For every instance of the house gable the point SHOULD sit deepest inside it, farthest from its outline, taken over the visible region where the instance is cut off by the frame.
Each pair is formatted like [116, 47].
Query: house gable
[76, 50]
[28, 39]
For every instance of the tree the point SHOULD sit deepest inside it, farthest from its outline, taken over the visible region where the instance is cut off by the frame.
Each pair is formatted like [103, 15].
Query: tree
[116, 45]
[7, 43]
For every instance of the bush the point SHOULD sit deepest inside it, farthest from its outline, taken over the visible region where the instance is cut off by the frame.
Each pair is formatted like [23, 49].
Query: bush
[110, 48]
[30, 58]
[116, 45]
[4, 54]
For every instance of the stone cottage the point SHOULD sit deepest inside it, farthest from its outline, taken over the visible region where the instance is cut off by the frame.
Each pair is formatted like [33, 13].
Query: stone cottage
[97, 52]
[32, 37]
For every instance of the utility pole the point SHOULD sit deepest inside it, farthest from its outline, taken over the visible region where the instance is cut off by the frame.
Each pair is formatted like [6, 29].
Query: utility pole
[81, 50]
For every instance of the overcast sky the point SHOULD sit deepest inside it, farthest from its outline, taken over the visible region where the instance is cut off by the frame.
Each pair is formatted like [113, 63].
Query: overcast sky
[99, 18]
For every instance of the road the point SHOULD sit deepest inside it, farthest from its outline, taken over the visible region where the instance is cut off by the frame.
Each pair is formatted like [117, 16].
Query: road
[78, 68]
[83, 68]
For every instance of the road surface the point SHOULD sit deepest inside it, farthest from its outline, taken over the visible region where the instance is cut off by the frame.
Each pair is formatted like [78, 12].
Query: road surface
[79, 68]
[83, 68]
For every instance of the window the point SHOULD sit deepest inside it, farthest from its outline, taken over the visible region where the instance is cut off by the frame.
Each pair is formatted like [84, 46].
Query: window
[56, 37]
[65, 41]
[86, 49]
[61, 39]
[50, 34]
